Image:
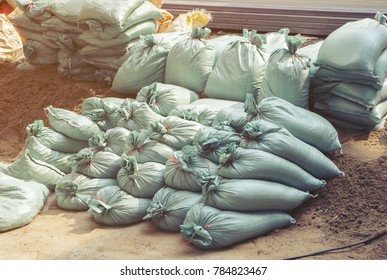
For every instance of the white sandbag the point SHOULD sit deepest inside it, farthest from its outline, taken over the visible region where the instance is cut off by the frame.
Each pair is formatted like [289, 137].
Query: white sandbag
[36, 9]
[74, 191]
[40, 152]
[276, 40]
[239, 70]
[20, 201]
[221, 42]
[96, 164]
[268, 137]
[169, 207]
[145, 149]
[203, 114]
[163, 98]
[174, 132]
[114, 140]
[57, 24]
[23, 21]
[28, 168]
[287, 74]
[246, 195]
[303, 124]
[71, 124]
[38, 53]
[240, 163]
[140, 180]
[114, 207]
[182, 170]
[90, 51]
[136, 115]
[218, 103]
[209, 228]
[210, 142]
[54, 140]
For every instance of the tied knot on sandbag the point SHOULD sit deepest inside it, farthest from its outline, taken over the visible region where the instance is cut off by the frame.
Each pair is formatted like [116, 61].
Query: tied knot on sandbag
[158, 128]
[294, 43]
[36, 128]
[83, 157]
[70, 188]
[98, 141]
[192, 231]
[29, 51]
[200, 33]
[152, 95]
[129, 163]
[227, 156]
[251, 107]
[94, 25]
[97, 115]
[208, 143]
[97, 205]
[138, 139]
[209, 182]
[155, 210]
[185, 156]
[255, 129]
[149, 40]
[381, 18]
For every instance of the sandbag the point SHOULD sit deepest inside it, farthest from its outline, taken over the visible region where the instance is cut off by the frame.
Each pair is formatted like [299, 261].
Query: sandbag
[36, 11]
[140, 180]
[202, 114]
[229, 117]
[38, 53]
[210, 142]
[169, 207]
[218, 103]
[276, 40]
[20, 201]
[239, 70]
[38, 36]
[311, 51]
[209, 228]
[90, 51]
[136, 115]
[57, 24]
[268, 137]
[182, 170]
[147, 63]
[28, 168]
[221, 42]
[240, 163]
[114, 207]
[40, 152]
[93, 102]
[74, 191]
[174, 132]
[71, 124]
[303, 124]
[114, 140]
[145, 149]
[347, 114]
[245, 195]
[23, 21]
[54, 140]
[96, 164]
[287, 74]
[190, 61]
[355, 47]
[163, 98]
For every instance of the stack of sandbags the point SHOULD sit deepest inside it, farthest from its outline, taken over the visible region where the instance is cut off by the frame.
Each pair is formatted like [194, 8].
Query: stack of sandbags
[350, 87]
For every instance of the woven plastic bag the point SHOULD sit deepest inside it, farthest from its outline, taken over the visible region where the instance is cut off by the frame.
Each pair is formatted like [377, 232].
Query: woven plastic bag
[202, 114]
[113, 140]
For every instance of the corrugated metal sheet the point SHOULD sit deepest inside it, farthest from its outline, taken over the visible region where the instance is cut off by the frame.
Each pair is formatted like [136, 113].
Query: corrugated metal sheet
[308, 18]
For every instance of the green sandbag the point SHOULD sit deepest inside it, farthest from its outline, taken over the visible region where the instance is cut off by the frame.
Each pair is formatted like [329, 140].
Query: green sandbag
[303, 124]
[54, 140]
[181, 170]
[38, 53]
[347, 114]
[96, 164]
[210, 228]
[169, 207]
[145, 149]
[218, 103]
[240, 163]
[113, 140]
[174, 132]
[93, 102]
[276, 40]
[287, 74]
[74, 191]
[20, 201]
[71, 124]
[203, 114]
[210, 142]
[268, 137]
[40, 152]
[28, 168]
[140, 180]
[230, 117]
[163, 98]
[190, 61]
[136, 115]
[221, 42]
[147, 63]
[239, 69]
[112, 206]
[247, 195]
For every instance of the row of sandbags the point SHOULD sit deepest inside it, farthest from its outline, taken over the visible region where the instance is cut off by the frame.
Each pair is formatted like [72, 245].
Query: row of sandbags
[350, 85]
[123, 186]
[84, 36]
[226, 67]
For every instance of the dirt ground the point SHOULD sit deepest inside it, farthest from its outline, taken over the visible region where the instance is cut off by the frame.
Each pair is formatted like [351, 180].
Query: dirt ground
[348, 210]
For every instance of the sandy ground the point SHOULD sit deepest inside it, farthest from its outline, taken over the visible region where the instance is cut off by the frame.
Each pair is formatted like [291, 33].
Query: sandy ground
[348, 210]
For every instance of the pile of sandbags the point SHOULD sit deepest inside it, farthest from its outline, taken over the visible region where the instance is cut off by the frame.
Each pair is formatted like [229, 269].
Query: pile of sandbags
[84, 36]
[350, 85]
